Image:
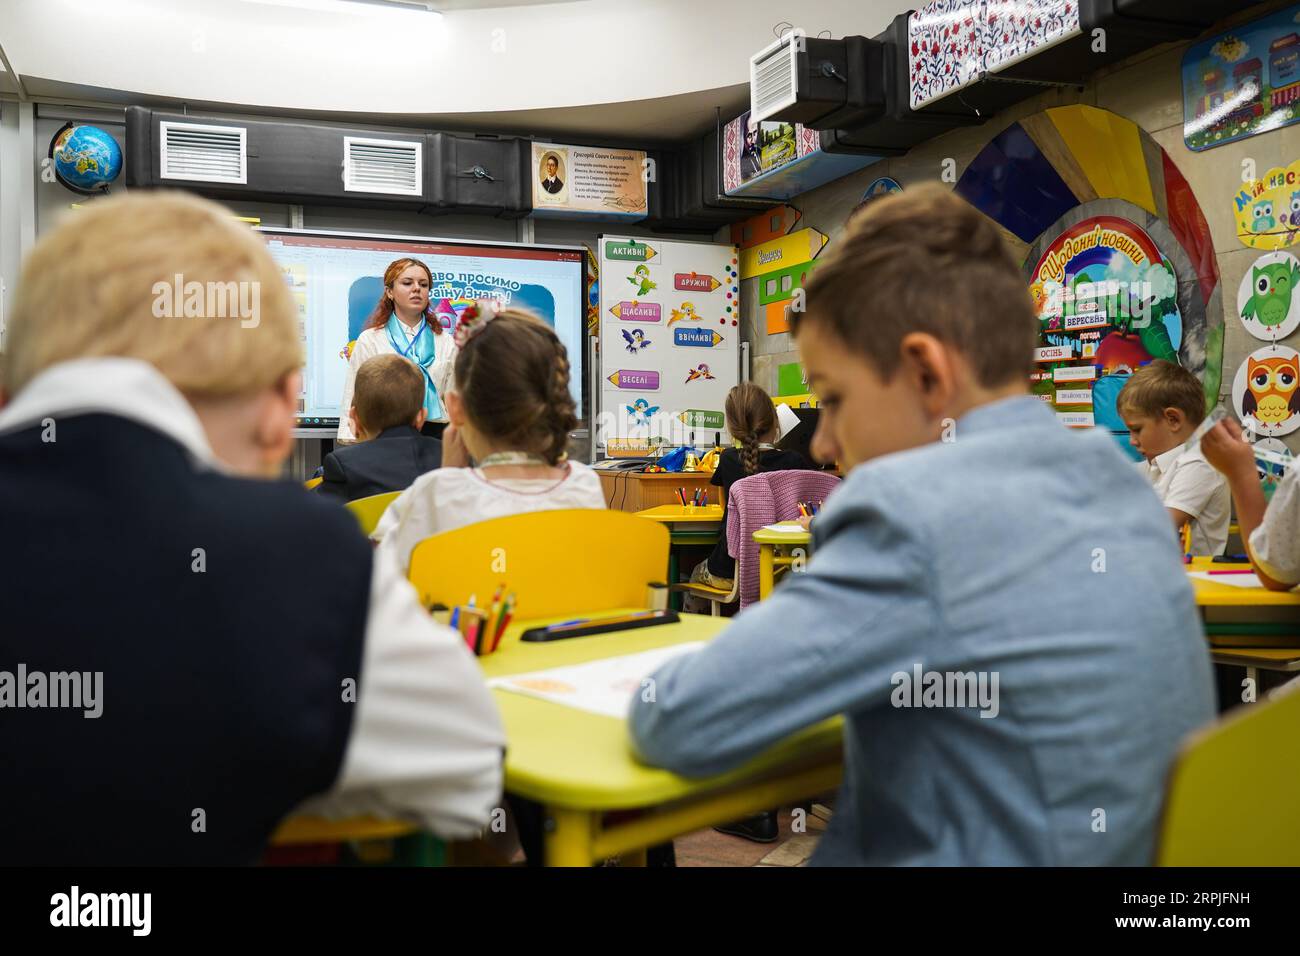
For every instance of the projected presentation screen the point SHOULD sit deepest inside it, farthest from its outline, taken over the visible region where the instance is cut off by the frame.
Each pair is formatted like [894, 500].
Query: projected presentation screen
[337, 279]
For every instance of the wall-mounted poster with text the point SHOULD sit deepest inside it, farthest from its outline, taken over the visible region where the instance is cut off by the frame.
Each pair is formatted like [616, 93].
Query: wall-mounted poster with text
[1107, 303]
[588, 181]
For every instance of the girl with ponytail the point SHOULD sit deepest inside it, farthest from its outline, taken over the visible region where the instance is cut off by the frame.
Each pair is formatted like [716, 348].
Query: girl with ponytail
[511, 412]
[751, 420]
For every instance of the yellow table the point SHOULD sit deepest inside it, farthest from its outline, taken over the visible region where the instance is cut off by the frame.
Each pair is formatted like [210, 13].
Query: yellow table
[1254, 628]
[687, 525]
[769, 543]
[579, 765]
[694, 523]
[1214, 594]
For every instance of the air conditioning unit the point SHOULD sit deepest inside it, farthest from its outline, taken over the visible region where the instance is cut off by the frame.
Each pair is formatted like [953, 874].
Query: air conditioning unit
[293, 161]
[818, 82]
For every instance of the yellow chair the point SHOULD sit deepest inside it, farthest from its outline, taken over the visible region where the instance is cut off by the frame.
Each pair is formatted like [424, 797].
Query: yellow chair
[1234, 794]
[715, 596]
[369, 839]
[557, 562]
[297, 830]
[311, 483]
[368, 511]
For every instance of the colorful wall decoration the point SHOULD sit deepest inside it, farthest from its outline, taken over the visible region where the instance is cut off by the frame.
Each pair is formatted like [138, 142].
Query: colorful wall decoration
[951, 43]
[1243, 82]
[1267, 304]
[670, 316]
[1267, 210]
[1105, 295]
[782, 266]
[772, 224]
[1117, 254]
[1264, 393]
[779, 160]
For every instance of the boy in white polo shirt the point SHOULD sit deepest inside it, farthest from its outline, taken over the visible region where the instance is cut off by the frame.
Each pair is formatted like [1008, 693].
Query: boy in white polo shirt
[1162, 405]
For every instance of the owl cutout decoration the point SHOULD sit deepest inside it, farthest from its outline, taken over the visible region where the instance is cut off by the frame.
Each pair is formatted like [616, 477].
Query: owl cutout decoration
[1267, 301]
[1264, 392]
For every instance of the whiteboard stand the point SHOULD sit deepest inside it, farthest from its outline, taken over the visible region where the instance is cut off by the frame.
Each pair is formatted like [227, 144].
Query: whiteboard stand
[593, 376]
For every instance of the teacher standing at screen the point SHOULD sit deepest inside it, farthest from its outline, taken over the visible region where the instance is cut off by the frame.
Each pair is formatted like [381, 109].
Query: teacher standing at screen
[400, 324]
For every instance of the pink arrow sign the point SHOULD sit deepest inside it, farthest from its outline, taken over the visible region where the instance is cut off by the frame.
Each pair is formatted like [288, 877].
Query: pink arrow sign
[693, 282]
[636, 311]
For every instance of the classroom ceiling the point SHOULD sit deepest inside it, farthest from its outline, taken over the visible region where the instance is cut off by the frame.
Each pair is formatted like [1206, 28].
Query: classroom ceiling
[629, 71]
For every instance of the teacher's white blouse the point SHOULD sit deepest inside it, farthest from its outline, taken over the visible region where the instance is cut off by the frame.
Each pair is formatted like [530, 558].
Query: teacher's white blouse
[374, 342]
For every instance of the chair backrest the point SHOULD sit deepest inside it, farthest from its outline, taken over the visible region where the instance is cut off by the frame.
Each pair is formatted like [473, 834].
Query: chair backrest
[369, 510]
[762, 499]
[1233, 797]
[557, 562]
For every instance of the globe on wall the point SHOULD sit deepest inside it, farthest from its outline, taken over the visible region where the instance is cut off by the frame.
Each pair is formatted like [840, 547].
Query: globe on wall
[85, 158]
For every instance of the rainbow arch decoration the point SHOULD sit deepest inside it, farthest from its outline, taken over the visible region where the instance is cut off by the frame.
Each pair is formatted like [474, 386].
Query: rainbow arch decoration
[1115, 249]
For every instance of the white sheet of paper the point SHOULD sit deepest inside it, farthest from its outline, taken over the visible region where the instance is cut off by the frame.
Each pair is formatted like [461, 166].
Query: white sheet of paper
[602, 687]
[1236, 580]
[792, 528]
[786, 421]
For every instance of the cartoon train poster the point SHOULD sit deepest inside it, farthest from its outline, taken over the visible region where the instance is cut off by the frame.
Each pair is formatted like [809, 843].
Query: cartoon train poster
[1107, 304]
[1243, 82]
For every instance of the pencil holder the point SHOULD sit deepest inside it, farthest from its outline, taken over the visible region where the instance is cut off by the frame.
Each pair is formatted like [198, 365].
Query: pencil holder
[472, 623]
[656, 596]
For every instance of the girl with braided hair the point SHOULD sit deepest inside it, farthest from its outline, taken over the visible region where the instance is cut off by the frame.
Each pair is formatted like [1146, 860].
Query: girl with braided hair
[751, 420]
[504, 452]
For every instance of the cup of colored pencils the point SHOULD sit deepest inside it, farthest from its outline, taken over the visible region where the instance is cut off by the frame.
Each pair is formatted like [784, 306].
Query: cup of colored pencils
[482, 627]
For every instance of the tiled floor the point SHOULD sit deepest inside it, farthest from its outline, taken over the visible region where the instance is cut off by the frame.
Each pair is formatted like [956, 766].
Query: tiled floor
[798, 832]
[710, 848]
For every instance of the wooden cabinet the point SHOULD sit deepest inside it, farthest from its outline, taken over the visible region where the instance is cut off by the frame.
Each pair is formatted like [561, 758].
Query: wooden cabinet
[636, 491]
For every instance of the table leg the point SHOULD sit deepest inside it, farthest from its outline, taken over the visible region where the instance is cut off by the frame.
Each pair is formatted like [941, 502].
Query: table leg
[570, 835]
[766, 571]
[674, 597]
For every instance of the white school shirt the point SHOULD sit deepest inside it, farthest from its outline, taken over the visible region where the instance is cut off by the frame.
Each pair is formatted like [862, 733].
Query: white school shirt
[1275, 544]
[450, 498]
[1186, 481]
[374, 342]
[426, 739]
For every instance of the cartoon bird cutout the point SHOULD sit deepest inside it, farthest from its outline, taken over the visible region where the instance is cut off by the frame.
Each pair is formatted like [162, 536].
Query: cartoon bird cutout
[1292, 219]
[1262, 214]
[1271, 289]
[1271, 396]
[700, 371]
[635, 340]
[685, 313]
[641, 411]
[642, 280]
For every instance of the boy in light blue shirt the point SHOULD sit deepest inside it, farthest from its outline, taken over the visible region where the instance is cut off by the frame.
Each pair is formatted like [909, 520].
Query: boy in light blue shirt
[995, 604]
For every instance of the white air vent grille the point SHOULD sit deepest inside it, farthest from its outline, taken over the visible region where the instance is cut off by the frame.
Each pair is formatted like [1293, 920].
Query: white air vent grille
[206, 154]
[382, 166]
[774, 77]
